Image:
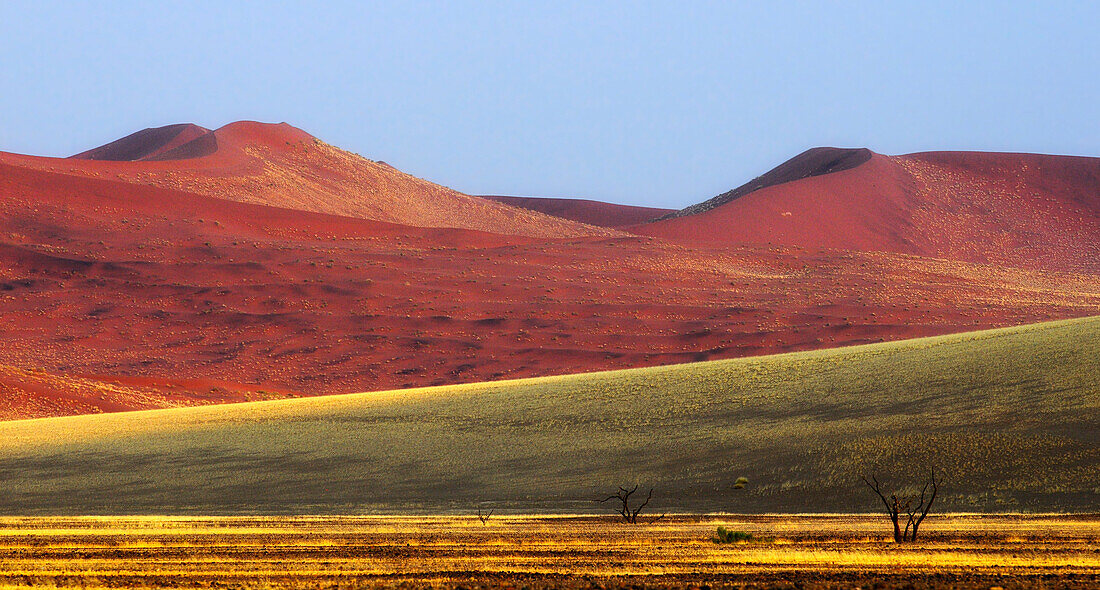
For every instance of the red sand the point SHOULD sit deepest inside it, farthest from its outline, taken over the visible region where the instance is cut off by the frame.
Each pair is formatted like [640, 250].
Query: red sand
[1023, 210]
[586, 211]
[34, 393]
[812, 162]
[276, 164]
[117, 293]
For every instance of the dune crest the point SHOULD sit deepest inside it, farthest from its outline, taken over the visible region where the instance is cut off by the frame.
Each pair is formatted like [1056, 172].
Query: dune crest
[148, 144]
[812, 162]
[1024, 210]
[282, 166]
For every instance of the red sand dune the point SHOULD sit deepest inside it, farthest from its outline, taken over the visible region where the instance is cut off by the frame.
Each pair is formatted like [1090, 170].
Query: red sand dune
[812, 162]
[121, 294]
[279, 165]
[29, 393]
[586, 211]
[1024, 210]
[147, 144]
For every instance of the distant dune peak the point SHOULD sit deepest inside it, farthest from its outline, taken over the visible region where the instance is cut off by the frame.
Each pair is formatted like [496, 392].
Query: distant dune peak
[1030, 211]
[240, 133]
[148, 144]
[279, 165]
[185, 141]
[812, 162]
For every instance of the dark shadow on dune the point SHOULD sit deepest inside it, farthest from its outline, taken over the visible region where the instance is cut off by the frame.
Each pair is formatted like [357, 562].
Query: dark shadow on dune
[812, 162]
[203, 145]
[145, 144]
[584, 210]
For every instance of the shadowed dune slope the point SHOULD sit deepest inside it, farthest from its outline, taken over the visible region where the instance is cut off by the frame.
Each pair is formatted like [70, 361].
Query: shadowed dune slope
[203, 145]
[801, 427]
[585, 211]
[1026, 210]
[152, 143]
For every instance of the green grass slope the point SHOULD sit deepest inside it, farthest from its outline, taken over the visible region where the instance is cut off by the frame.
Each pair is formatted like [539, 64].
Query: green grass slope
[1011, 418]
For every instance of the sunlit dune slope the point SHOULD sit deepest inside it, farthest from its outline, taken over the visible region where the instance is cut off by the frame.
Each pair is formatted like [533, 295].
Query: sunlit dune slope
[585, 210]
[1026, 210]
[1003, 436]
[282, 166]
[30, 393]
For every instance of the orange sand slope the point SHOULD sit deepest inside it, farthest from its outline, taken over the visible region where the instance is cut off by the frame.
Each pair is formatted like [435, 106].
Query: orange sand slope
[282, 166]
[1024, 210]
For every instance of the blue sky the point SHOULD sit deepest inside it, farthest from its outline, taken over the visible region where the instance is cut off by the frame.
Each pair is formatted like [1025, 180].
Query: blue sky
[649, 103]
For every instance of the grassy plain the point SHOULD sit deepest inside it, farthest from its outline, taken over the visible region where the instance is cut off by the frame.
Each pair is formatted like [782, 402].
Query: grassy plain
[789, 551]
[1010, 417]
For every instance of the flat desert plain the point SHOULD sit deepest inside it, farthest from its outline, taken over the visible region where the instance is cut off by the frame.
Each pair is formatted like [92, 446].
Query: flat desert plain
[787, 551]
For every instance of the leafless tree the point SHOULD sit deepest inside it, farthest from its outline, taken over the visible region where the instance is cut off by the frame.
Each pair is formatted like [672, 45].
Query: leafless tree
[484, 517]
[921, 508]
[630, 515]
[914, 508]
[893, 505]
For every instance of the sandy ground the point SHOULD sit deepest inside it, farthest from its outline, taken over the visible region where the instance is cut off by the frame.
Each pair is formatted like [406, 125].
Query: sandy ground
[788, 551]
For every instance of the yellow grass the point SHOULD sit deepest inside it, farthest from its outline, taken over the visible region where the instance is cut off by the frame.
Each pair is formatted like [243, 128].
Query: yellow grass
[364, 551]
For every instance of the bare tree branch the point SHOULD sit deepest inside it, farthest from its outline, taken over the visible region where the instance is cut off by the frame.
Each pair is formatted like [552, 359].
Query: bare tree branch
[896, 505]
[484, 518]
[623, 496]
[634, 515]
[926, 507]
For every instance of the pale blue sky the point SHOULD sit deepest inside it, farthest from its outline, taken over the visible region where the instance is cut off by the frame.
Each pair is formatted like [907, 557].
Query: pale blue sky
[651, 103]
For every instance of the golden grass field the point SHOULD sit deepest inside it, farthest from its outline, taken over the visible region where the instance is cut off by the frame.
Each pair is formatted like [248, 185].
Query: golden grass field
[789, 551]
